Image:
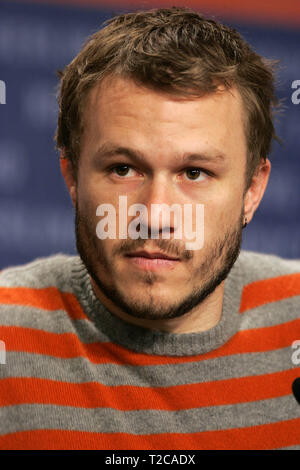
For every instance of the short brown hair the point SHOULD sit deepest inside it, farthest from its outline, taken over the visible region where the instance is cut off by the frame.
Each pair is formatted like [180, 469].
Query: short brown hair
[178, 51]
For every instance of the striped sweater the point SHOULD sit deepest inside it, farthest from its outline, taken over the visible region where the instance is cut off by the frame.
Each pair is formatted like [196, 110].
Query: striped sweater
[77, 377]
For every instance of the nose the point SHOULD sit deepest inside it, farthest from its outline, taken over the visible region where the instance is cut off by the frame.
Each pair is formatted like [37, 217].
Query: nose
[162, 215]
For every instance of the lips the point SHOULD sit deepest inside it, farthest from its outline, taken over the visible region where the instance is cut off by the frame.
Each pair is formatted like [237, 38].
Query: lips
[152, 261]
[152, 255]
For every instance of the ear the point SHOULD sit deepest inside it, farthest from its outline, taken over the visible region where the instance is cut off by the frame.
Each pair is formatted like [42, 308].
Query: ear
[66, 170]
[257, 189]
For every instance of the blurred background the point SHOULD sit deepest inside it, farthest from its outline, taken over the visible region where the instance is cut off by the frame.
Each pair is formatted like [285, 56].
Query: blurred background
[39, 37]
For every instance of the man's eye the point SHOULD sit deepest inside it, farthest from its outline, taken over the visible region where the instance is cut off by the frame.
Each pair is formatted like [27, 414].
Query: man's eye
[122, 170]
[195, 174]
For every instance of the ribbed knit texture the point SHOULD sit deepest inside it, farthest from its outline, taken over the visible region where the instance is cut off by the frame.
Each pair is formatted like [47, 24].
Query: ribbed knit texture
[78, 377]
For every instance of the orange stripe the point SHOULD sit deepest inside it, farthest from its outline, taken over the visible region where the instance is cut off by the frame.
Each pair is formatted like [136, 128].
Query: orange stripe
[68, 345]
[64, 345]
[270, 290]
[15, 391]
[48, 298]
[287, 12]
[264, 437]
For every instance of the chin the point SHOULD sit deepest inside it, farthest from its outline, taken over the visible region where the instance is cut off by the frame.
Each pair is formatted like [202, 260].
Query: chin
[151, 297]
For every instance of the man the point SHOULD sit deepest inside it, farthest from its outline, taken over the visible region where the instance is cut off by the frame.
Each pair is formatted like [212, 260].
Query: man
[146, 342]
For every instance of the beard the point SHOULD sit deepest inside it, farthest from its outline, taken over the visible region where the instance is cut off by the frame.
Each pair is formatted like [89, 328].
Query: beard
[213, 269]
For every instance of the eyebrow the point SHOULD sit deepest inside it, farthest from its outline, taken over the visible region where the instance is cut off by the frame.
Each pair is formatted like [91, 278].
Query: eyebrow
[108, 150]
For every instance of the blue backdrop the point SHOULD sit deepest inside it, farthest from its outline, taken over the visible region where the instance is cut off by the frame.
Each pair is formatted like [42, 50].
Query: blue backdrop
[36, 216]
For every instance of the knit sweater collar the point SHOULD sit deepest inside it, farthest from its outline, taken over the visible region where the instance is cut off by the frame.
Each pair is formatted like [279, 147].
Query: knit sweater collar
[155, 342]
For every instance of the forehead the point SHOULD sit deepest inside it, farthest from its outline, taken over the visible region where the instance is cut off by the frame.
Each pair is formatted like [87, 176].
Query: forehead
[118, 108]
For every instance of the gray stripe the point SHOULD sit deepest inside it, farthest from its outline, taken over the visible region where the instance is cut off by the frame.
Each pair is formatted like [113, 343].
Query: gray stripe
[58, 268]
[259, 266]
[290, 448]
[27, 417]
[54, 321]
[80, 370]
[271, 314]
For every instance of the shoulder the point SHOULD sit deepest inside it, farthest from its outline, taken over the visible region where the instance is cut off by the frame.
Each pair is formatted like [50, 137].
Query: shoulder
[270, 283]
[52, 271]
[259, 266]
[37, 293]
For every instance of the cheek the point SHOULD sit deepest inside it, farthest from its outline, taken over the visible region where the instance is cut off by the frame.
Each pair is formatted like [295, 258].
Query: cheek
[222, 213]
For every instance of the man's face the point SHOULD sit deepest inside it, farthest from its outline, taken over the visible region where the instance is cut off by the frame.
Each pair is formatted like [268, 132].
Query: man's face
[162, 132]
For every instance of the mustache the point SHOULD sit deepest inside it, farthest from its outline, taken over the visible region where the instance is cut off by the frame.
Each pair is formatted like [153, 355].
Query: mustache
[163, 245]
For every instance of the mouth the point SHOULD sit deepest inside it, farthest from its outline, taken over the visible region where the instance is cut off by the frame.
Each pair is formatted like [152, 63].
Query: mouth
[152, 260]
